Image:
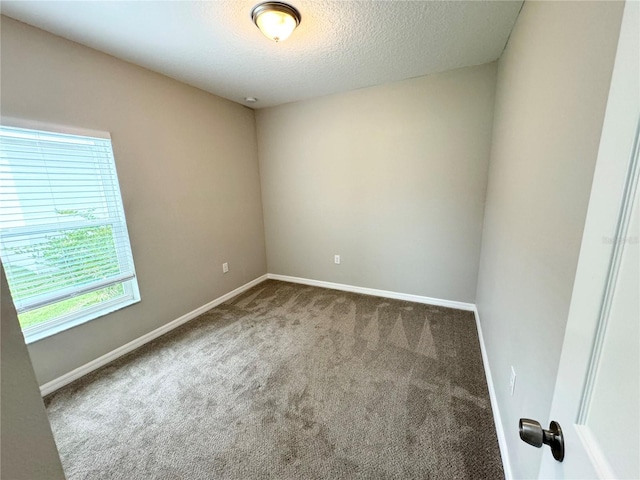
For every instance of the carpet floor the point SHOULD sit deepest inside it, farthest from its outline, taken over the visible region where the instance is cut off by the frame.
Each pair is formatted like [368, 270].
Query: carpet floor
[287, 381]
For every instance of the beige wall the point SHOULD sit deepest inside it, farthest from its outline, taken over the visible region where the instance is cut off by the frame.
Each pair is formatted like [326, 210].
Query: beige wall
[187, 163]
[553, 81]
[392, 178]
[27, 448]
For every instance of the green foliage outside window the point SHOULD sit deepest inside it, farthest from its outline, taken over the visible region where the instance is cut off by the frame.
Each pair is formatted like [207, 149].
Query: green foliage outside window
[70, 257]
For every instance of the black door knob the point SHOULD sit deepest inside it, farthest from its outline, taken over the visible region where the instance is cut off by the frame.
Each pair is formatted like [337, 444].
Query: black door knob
[532, 433]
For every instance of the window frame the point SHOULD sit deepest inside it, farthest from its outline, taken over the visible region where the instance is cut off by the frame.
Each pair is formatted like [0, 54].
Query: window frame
[130, 286]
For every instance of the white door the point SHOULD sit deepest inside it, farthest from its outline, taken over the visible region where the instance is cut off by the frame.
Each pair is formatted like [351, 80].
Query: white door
[597, 399]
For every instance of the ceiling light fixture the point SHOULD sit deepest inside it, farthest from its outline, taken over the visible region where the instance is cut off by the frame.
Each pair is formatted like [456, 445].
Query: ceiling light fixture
[250, 99]
[276, 20]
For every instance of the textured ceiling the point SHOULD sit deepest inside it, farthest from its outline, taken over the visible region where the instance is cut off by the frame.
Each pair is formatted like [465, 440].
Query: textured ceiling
[339, 46]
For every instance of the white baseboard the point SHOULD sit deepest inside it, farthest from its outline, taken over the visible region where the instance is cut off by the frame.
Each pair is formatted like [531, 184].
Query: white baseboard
[375, 292]
[67, 378]
[502, 440]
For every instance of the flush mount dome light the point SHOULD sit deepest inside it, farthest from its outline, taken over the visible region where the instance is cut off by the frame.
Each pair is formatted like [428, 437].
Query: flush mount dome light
[276, 20]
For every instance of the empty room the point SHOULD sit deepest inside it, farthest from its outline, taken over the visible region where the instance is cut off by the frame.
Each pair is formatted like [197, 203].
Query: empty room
[319, 239]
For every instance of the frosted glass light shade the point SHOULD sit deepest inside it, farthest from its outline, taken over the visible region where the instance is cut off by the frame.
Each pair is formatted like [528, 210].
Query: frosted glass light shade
[275, 20]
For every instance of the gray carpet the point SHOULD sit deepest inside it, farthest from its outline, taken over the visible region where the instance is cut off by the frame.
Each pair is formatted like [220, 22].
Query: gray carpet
[288, 382]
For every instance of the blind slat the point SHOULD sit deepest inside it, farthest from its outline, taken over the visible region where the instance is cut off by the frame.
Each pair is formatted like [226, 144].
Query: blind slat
[40, 155]
[34, 213]
[62, 165]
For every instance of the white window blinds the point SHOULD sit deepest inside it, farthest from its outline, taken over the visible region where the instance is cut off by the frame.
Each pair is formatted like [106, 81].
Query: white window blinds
[62, 226]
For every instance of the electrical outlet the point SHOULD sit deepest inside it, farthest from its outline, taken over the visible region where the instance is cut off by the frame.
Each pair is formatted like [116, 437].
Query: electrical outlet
[512, 381]
[225, 267]
[336, 259]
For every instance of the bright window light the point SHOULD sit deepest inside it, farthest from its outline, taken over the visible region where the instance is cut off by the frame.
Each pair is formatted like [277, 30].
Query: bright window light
[63, 236]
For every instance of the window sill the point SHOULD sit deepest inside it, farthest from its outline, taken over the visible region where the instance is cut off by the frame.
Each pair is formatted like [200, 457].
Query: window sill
[45, 330]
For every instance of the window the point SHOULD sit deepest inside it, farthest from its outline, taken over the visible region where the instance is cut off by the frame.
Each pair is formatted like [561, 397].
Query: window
[63, 236]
